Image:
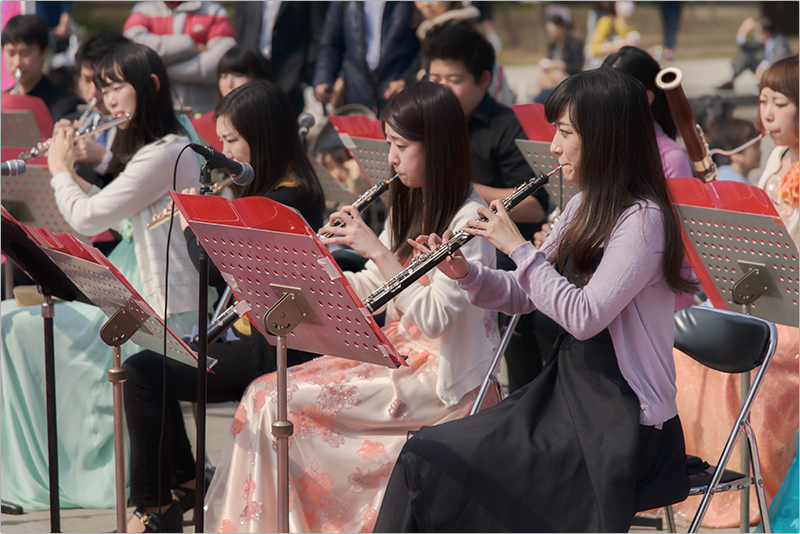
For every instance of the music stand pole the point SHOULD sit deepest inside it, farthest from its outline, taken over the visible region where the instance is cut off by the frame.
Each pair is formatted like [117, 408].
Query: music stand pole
[280, 320]
[202, 353]
[48, 312]
[116, 331]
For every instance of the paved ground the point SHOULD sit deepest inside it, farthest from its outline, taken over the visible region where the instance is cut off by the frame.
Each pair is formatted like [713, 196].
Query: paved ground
[700, 76]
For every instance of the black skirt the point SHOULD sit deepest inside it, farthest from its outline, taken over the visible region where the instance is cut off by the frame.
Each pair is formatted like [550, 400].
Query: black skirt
[566, 453]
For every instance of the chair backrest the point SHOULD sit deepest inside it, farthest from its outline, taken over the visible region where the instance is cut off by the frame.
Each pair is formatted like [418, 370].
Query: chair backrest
[723, 340]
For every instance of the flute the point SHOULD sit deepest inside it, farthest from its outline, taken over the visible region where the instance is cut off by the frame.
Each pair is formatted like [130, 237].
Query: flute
[363, 202]
[167, 213]
[423, 263]
[35, 152]
[17, 76]
[88, 116]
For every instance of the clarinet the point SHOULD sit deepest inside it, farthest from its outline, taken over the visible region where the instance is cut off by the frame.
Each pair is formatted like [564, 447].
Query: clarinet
[361, 203]
[423, 263]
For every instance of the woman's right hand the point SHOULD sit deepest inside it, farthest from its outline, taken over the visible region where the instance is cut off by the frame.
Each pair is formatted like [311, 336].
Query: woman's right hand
[61, 156]
[541, 236]
[455, 266]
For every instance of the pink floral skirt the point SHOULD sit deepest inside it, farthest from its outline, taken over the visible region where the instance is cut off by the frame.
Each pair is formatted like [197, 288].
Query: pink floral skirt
[350, 421]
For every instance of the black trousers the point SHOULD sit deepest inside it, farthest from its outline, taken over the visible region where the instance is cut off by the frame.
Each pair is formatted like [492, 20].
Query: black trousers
[239, 363]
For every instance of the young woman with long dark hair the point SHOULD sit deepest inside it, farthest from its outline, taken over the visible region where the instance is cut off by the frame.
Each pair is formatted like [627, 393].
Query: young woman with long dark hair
[256, 125]
[596, 436]
[352, 418]
[133, 80]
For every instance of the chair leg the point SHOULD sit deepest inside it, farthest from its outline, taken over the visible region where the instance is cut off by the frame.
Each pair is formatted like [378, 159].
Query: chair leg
[670, 515]
[758, 478]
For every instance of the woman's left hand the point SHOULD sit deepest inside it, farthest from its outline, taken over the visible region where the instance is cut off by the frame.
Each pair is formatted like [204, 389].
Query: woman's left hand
[498, 228]
[356, 234]
[61, 156]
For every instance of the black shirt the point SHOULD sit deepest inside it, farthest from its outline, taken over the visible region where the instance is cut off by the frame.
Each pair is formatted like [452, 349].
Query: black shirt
[59, 101]
[496, 160]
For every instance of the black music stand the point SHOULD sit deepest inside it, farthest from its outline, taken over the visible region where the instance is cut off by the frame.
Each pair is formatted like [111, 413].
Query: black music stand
[19, 247]
[744, 258]
[299, 298]
[541, 160]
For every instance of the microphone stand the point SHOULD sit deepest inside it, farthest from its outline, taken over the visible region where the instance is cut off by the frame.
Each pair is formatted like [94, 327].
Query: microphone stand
[202, 353]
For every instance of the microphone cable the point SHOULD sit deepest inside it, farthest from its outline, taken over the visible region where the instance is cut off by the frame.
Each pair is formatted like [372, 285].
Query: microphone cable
[164, 361]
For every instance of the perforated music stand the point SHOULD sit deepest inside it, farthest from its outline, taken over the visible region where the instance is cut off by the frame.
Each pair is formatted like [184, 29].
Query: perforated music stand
[25, 121]
[541, 160]
[333, 189]
[131, 318]
[20, 247]
[744, 258]
[734, 238]
[298, 296]
[29, 198]
[364, 139]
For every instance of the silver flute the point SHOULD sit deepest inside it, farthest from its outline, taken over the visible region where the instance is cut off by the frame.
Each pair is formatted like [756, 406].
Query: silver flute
[42, 149]
[88, 116]
[17, 76]
[423, 263]
[363, 202]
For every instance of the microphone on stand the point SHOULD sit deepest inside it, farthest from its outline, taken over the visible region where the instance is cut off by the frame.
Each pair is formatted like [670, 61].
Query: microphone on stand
[225, 321]
[306, 121]
[12, 167]
[242, 173]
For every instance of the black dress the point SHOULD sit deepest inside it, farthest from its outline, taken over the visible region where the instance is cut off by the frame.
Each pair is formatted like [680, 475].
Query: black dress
[565, 453]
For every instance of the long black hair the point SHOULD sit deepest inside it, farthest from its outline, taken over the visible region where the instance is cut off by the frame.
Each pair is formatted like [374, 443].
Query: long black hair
[619, 164]
[155, 115]
[641, 65]
[262, 114]
[247, 60]
[429, 113]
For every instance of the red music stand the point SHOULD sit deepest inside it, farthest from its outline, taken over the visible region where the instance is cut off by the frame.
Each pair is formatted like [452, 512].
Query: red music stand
[531, 118]
[130, 318]
[298, 296]
[364, 139]
[26, 121]
[206, 128]
[333, 189]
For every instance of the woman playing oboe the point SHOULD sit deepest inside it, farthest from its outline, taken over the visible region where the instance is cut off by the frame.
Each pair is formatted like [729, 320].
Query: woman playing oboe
[350, 418]
[133, 80]
[256, 125]
[596, 436]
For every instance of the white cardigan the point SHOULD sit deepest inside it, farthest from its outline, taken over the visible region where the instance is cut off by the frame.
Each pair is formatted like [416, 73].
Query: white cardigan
[772, 166]
[139, 192]
[469, 335]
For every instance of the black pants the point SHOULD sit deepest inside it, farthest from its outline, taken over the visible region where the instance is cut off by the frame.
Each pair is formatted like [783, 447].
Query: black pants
[239, 363]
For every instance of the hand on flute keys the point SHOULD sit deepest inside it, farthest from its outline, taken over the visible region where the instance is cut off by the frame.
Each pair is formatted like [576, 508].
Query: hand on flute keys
[454, 266]
[498, 228]
[61, 156]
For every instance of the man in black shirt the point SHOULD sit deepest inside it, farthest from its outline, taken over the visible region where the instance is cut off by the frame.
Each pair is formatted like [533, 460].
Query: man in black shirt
[462, 59]
[24, 42]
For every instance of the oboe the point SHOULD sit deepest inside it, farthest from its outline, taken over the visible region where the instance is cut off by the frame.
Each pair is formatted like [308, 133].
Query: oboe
[361, 203]
[37, 151]
[425, 262]
[167, 213]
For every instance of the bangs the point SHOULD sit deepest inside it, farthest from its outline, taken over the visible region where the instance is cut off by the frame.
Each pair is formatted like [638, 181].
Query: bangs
[105, 75]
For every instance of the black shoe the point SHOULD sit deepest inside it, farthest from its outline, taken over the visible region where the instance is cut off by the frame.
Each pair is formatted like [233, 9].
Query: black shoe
[727, 86]
[186, 496]
[169, 521]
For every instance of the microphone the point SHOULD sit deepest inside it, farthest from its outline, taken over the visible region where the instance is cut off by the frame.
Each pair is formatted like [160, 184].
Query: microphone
[13, 167]
[225, 321]
[242, 173]
[306, 121]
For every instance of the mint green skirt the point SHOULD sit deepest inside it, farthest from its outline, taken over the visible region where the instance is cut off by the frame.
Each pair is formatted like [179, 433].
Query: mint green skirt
[84, 412]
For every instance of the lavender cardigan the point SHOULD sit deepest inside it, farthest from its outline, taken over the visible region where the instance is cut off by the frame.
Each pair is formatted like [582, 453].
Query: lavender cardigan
[627, 294]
